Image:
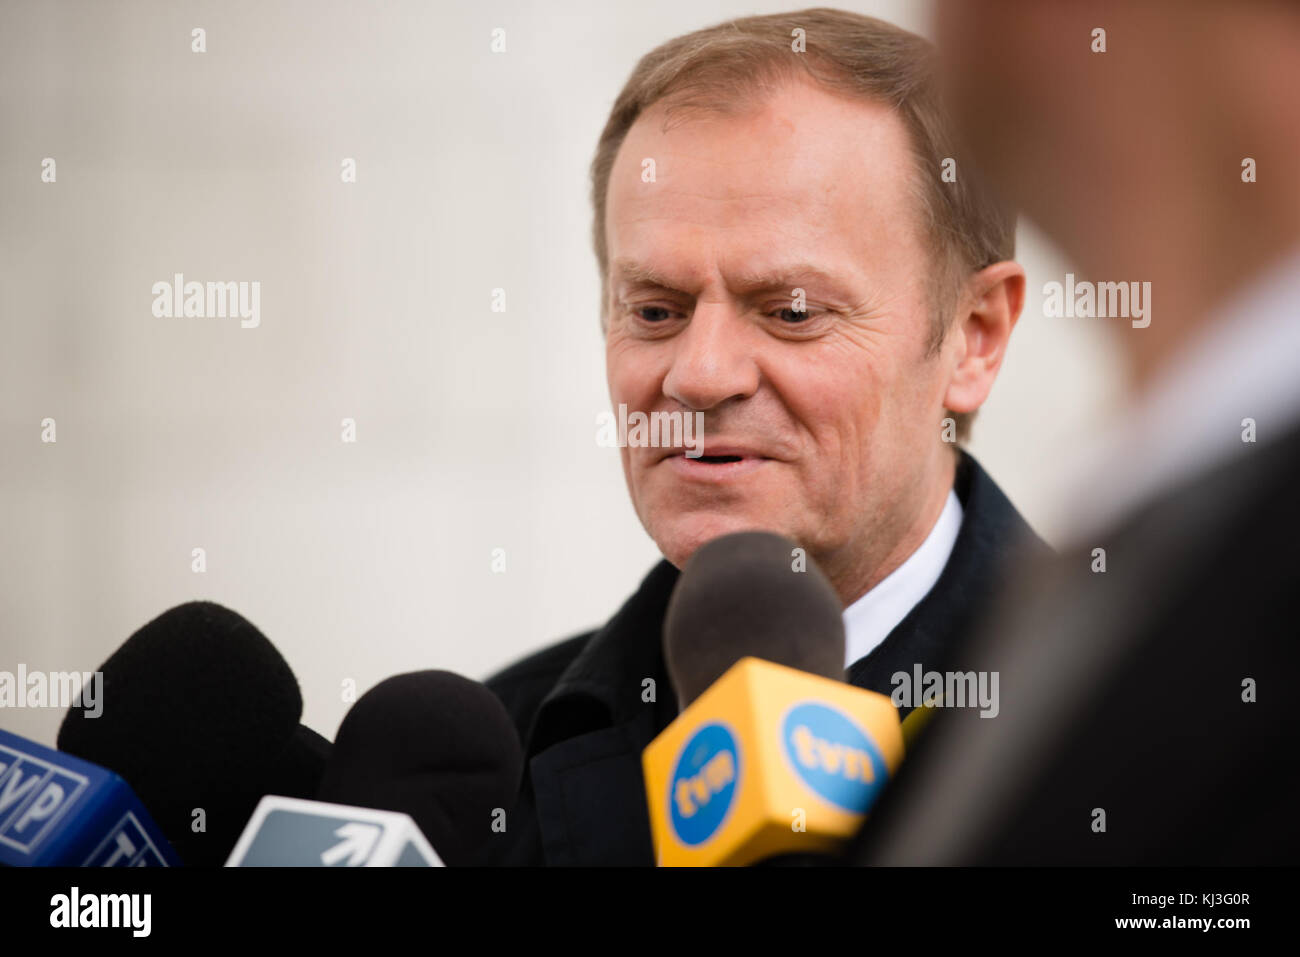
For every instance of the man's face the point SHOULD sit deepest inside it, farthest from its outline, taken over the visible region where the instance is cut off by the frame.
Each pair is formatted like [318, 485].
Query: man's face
[829, 418]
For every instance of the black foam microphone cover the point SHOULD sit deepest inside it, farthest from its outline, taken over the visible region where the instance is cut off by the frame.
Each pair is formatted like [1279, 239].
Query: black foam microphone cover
[436, 746]
[750, 594]
[201, 717]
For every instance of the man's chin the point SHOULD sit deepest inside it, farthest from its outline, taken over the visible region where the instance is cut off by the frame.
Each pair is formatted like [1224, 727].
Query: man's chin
[678, 539]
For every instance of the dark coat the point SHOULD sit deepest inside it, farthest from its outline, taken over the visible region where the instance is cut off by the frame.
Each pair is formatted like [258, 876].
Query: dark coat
[579, 709]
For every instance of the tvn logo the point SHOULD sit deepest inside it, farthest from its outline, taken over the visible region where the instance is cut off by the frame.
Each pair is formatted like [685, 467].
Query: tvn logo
[34, 794]
[833, 756]
[703, 784]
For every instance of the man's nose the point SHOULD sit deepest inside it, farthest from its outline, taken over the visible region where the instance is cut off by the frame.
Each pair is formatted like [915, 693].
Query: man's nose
[713, 359]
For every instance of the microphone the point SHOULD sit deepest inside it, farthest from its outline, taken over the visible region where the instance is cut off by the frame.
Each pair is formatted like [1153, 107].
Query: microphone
[59, 811]
[201, 718]
[739, 596]
[291, 832]
[773, 753]
[433, 745]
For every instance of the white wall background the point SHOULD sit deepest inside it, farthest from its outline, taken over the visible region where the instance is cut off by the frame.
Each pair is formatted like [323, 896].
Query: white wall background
[475, 429]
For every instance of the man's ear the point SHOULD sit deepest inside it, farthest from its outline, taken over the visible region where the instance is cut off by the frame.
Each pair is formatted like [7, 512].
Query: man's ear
[990, 305]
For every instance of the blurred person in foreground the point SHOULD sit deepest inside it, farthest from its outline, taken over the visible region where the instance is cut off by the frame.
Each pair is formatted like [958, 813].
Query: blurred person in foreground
[1146, 712]
[779, 254]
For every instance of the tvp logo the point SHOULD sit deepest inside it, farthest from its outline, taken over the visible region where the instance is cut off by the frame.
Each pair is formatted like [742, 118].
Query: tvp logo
[34, 794]
[58, 810]
[703, 784]
[833, 756]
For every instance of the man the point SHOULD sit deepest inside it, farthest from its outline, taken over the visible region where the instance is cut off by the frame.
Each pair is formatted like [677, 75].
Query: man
[1147, 709]
[781, 251]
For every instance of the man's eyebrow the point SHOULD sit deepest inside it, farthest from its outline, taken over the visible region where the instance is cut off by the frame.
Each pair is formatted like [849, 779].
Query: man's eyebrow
[638, 274]
[784, 277]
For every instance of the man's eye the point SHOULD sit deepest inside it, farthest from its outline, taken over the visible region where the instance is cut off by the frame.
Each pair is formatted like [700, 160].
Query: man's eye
[792, 316]
[652, 313]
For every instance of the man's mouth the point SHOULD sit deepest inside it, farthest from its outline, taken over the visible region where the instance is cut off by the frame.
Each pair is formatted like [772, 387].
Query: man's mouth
[717, 463]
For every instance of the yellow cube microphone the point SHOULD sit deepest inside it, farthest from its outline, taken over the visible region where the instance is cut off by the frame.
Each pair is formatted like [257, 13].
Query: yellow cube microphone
[768, 761]
[774, 755]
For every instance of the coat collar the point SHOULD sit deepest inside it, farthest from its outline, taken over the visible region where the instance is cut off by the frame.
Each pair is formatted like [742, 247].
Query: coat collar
[605, 684]
[991, 537]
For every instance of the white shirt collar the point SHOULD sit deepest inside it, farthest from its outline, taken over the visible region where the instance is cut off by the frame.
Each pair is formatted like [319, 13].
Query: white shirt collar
[1241, 366]
[870, 619]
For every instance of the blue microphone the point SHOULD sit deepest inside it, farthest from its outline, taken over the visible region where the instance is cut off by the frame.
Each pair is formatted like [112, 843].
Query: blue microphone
[61, 811]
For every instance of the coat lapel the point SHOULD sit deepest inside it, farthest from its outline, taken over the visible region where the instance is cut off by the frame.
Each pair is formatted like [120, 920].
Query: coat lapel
[585, 744]
[590, 797]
